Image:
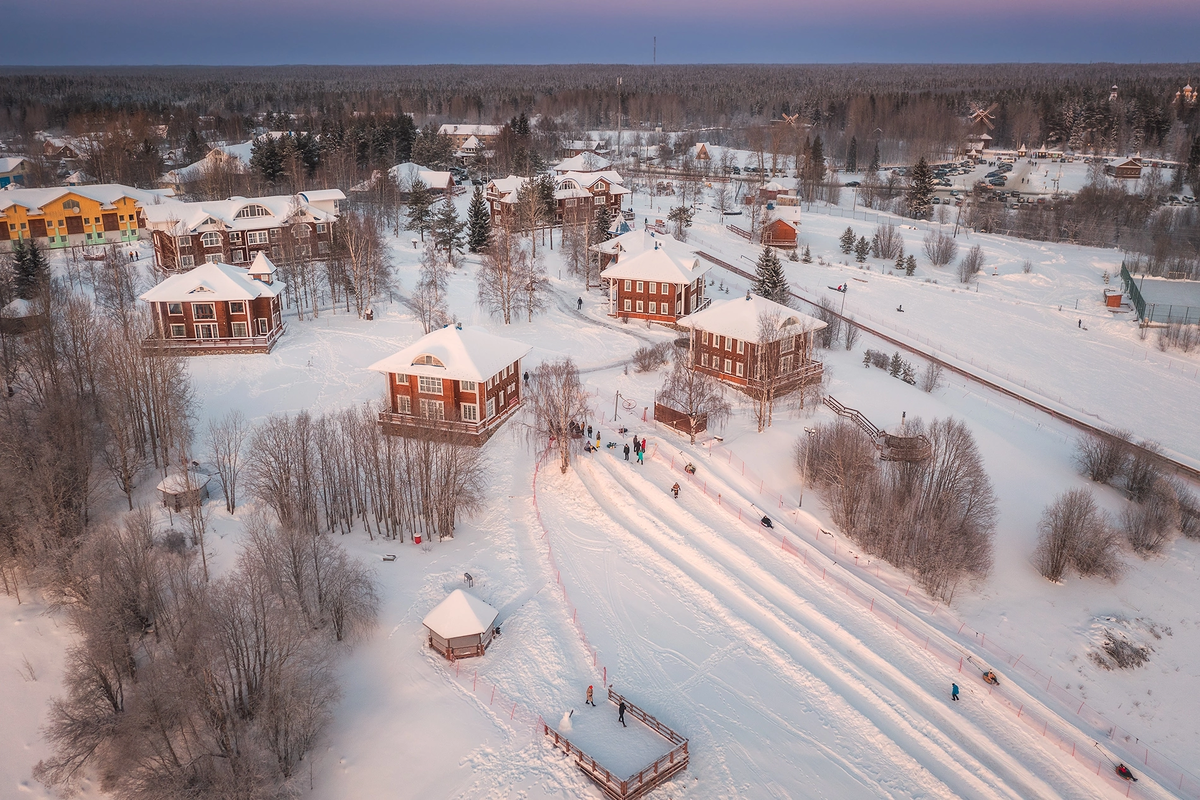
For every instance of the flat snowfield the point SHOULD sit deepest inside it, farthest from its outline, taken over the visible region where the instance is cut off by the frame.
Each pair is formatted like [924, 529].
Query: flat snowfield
[783, 684]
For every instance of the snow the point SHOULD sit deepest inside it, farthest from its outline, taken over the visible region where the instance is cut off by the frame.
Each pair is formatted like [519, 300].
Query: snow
[783, 685]
[106, 194]
[405, 174]
[739, 319]
[178, 482]
[178, 218]
[1164, 291]
[17, 308]
[470, 353]
[584, 162]
[212, 281]
[657, 264]
[460, 614]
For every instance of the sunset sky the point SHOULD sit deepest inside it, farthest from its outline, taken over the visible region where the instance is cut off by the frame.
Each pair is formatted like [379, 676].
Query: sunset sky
[73, 32]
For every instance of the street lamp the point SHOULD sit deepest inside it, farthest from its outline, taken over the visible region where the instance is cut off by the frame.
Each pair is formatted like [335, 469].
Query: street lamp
[804, 468]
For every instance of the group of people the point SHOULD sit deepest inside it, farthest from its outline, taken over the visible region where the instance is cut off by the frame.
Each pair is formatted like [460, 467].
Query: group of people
[620, 708]
[639, 449]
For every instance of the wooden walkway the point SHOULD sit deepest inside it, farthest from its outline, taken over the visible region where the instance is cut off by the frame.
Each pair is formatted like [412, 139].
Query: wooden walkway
[890, 447]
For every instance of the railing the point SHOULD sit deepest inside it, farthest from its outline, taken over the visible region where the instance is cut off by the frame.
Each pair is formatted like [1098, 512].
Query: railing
[809, 373]
[854, 415]
[226, 343]
[1163, 314]
[745, 234]
[447, 425]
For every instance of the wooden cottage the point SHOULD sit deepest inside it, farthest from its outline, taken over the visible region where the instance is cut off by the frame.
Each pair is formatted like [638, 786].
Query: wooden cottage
[1129, 169]
[21, 316]
[780, 233]
[578, 196]
[452, 380]
[700, 152]
[632, 243]
[727, 341]
[406, 174]
[461, 626]
[217, 308]
[183, 490]
[656, 284]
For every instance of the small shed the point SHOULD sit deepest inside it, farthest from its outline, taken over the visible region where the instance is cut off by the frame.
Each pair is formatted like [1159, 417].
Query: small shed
[1112, 299]
[183, 490]
[461, 626]
[780, 233]
[21, 316]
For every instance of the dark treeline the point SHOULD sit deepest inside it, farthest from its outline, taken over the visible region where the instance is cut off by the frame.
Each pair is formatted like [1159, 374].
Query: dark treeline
[1056, 103]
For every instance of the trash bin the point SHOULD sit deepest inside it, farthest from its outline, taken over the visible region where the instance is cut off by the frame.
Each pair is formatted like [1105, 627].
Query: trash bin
[416, 538]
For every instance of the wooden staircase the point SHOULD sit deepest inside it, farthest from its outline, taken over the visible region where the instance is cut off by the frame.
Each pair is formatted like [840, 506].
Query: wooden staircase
[890, 447]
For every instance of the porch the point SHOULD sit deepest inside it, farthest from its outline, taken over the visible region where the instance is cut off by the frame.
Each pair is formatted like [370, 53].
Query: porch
[203, 347]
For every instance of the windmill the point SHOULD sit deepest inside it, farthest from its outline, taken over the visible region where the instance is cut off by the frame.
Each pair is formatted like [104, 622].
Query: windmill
[790, 119]
[980, 114]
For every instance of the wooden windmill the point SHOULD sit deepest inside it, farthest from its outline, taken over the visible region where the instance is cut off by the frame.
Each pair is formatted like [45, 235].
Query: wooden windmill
[978, 142]
[790, 119]
[979, 114]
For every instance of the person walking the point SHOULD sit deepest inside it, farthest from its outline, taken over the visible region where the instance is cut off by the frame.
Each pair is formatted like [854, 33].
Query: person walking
[626, 452]
[621, 714]
[953, 692]
[589, 431]
[579, 304]
[641, 453]
[643, 443]
[526, 377]
[589, 700]
[636, 446]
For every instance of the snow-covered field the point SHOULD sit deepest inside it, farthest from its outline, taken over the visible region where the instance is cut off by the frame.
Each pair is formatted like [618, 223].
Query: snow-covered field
[784, 686]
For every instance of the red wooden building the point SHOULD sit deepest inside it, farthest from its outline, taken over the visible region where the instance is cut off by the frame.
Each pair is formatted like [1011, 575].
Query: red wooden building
[1129, 169]
[727, 342]
[656, 285]
[630, 244]
[576, 194]
[217, 308]
[779, 233]
[455, 380]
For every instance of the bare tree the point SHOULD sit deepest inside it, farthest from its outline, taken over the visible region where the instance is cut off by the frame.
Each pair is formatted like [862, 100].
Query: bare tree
[499, 286]
[971, 264]
[1074, 532]
[1141, 472]
[1102, 457]
[888, 242]
[428, 299]
[940, 248]
[367, 263]
[557, 400]
[225, 440]
[535, 285]
[695, 394]
[931, 377]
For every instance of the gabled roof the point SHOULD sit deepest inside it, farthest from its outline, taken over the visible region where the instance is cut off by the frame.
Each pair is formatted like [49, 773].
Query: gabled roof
[211, 282]
[106, 194]
[261, 265]
[434, 179]
[657, 264]
[584, 162]
[460, 614]
[632, 243]
[507, 188]
[178, 218]
[470, 354]
[739, 319]
[10, 164]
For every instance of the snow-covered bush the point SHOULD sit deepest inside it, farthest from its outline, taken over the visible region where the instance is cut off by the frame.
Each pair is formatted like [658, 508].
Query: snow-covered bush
[1150, 525]
[651, 357]
[1102, 457]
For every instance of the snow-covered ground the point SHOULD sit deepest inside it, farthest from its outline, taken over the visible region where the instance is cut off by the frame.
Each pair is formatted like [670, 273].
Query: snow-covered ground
[784, 686]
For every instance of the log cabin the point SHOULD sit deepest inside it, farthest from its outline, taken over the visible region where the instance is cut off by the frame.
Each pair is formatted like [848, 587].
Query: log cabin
[656, 284]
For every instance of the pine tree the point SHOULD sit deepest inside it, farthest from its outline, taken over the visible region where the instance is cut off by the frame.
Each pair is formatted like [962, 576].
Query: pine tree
[420, 207]
[900, 260]
[920, 190]
[447, 228]
[769, 280]
[847, 240]
[874, 160]
[807, 257]
[194, 149]
[861, 249]
[895, 365]
[910, 265]
[266, 156]
[907, 375]
[852, 156]
[479, 222]
[31, 273]
[604, 220]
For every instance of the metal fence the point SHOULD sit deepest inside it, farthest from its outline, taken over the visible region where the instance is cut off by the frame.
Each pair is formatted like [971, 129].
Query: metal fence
[1157, 313]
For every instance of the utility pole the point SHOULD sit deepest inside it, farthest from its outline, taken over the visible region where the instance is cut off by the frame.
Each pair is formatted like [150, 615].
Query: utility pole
[618, 119]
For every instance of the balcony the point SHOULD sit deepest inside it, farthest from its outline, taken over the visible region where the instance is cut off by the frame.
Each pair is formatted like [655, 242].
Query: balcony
[415, 426]
[200, 347]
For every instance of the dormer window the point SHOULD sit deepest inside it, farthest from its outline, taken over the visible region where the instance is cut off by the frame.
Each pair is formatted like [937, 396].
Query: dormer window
[300, 231]
[253, 211]
[71, 205]
[428, 360]
[210, 239]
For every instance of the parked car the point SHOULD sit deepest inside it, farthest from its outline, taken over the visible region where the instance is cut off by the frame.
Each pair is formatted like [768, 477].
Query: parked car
[851, 184]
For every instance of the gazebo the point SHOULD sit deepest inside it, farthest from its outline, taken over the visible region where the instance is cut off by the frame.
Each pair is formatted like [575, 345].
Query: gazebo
[180, 491]
[461, 626]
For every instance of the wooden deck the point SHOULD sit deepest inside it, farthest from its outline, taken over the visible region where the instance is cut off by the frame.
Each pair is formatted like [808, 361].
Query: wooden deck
[640, 782]
[153, 345]
[890, 447]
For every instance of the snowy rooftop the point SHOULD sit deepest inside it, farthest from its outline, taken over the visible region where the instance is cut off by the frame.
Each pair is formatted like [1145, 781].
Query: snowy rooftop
[739, 319]
[460, 614]
[177, 217]
[9, 164]
[470, 354]
[450, 129]
[214, 282]
[178, 482]
[584, 162]
[589, 179]
[106, 194]
[630, 244]
[657, 264]
[405, 173]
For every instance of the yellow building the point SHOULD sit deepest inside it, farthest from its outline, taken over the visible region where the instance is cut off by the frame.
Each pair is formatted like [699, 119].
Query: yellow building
[78, 215]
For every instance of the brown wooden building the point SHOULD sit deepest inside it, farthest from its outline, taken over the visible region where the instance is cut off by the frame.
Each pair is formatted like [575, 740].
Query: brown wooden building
[1129, 169]
[727, 342]
[454, 379]
[577, 195]
[779, 233]
[656, 284]
[233, 231]
[461, 626]
[217, 308]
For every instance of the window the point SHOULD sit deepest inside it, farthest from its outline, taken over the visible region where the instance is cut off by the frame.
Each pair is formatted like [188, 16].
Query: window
[428, 385]
[178, 332]
[204, 311]
[740, 369]
[467, 386]
[666, 288]
[184, 242]
[214, 258]
[71, 205]
[653, 287]
[239, 329]
[237, 306]
[728, 366]
[403, 404]
[262, 326]
[274, 233]
[628, 285]
[641, 286]
[276, 252]
[300, 231]
[235, 236]
[491, 408]
[705, 337]
[665, 307]
[433, 409]
[322, 248]
[303, 250]
[239, 256]
[207, 330]
[741, 348]
[628, 305]
[640, 306]
[256, 237]
[653, 307]
[786, 364]
[210, 239]
[470, 412]
[186, 261]
[253, 211]
[401, 379]
[175, 309]
[728, 343]
[704, 359]
[320, 227]
[788, 344]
